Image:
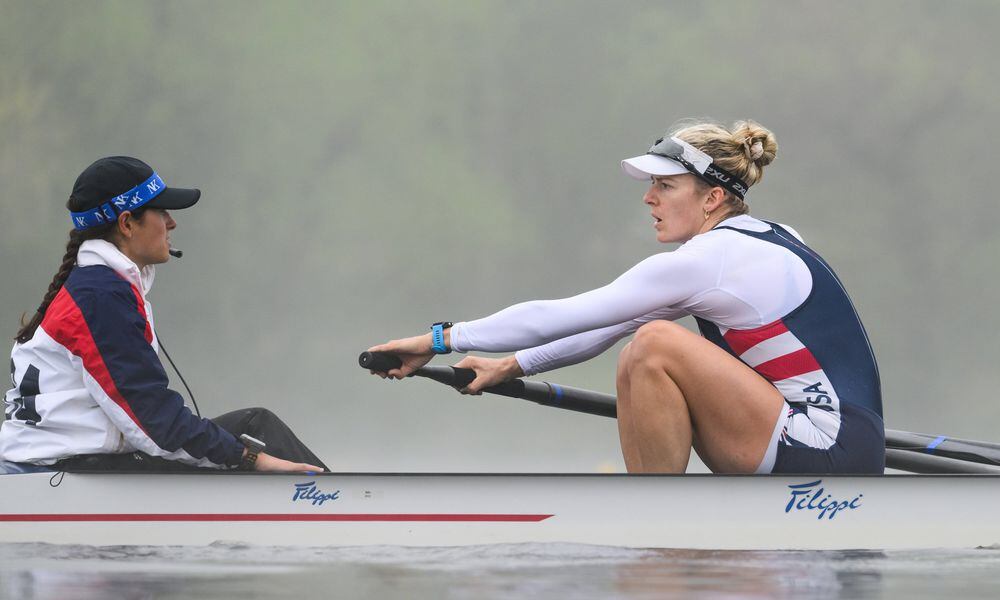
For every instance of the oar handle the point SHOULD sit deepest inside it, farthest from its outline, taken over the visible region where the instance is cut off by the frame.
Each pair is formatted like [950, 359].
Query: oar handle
[459, 378]
[379, 361]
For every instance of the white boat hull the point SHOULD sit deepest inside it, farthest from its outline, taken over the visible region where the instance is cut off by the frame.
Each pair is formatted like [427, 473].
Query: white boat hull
[661, 511]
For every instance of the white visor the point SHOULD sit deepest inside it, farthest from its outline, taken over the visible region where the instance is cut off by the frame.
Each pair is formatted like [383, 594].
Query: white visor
[650, 165]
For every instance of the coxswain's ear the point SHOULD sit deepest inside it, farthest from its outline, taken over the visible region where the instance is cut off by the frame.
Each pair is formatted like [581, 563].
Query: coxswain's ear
[125, 223]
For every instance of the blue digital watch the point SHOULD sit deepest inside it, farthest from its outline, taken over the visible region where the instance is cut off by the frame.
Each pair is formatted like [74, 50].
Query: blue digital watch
[437, 337]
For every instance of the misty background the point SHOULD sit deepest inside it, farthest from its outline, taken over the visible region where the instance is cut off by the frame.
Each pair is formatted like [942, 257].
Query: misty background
[368, 168]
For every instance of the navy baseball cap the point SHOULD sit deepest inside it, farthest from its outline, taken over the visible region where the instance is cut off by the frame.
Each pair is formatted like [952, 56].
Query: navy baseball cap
[115, 184]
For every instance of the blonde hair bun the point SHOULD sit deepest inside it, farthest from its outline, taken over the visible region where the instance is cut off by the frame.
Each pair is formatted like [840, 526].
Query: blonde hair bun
[743, 149]
[758, 142]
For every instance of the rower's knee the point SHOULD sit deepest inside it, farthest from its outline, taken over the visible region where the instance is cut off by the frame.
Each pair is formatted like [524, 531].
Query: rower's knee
[624, 360]
[654, 344]
[622, 377]
[659, 333]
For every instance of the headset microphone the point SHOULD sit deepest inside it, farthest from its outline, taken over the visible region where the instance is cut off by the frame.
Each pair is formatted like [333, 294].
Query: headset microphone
[176, 253]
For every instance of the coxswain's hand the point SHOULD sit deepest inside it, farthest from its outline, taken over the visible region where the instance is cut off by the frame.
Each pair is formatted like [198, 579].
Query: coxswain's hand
[266, 462]
[489, 372]
[415, 352]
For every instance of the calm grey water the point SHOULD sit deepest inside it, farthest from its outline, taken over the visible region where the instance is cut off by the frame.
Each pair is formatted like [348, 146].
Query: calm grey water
[41, 571]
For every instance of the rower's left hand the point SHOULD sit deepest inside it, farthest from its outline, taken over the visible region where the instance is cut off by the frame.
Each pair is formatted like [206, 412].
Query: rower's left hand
[415, 352]
[489, 372]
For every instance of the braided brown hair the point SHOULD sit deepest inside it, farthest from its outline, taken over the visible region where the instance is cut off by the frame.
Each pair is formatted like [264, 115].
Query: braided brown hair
[76, 238]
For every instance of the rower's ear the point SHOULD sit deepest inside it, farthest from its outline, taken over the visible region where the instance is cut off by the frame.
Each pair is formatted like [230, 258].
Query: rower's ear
[714, 198]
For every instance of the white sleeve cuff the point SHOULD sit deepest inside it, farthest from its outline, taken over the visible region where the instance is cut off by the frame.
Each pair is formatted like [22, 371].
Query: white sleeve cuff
[524, 361]
[456, 337]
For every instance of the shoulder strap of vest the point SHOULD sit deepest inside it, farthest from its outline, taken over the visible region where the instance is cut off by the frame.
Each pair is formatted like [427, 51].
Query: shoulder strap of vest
[775, 228]
[778, 228]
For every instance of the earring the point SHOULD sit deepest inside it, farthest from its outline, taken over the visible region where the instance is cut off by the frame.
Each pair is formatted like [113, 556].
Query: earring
[707, 215]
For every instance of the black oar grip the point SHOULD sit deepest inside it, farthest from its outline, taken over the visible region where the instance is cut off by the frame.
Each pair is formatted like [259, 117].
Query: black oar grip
[379, 361]
[463, 377]
[459, 378]
[384, 361]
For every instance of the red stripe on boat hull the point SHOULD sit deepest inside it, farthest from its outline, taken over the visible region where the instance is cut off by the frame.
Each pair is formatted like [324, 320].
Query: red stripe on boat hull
[265, 517]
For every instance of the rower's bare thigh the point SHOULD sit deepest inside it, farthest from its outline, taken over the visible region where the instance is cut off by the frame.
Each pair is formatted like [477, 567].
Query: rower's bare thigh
[733, 409]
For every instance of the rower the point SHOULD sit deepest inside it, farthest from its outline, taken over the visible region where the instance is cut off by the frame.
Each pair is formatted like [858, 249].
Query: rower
[89, 390]
[783, 380]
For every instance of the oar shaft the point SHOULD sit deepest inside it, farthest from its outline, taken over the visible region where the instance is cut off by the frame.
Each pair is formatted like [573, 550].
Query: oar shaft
[980, 452]
[541, 392]
[915, 462]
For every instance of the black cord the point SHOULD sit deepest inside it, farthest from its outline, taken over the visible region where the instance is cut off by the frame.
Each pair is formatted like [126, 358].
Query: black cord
[190, 393]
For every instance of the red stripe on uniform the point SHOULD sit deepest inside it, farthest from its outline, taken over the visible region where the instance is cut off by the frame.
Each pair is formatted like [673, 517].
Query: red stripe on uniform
[65, 324]
[789, 365]
[742, 340]
[142, 311]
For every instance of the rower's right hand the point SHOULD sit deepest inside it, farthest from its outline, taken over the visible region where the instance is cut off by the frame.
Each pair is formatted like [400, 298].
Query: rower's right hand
[414, 352]
[489, 372]
[266, 462]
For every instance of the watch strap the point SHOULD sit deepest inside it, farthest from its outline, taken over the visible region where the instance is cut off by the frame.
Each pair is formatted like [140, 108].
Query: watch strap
[254, 448]
[437, 337]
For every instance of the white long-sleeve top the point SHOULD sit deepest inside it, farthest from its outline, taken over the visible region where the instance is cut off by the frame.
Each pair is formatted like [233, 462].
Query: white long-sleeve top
[730, 279]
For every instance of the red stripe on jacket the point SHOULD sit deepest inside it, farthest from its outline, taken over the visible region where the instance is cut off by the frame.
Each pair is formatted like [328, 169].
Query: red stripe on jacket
[65, 324]
[142, 311]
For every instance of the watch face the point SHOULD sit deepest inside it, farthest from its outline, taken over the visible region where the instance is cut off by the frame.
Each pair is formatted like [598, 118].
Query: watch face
[252, 443]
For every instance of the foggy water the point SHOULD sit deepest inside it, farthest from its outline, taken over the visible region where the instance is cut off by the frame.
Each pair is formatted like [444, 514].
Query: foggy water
[41, 571]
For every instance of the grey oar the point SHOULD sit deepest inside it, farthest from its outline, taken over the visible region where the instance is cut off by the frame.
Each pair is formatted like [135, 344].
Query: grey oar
[915, 462]
[954, 448]
[907, 451]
